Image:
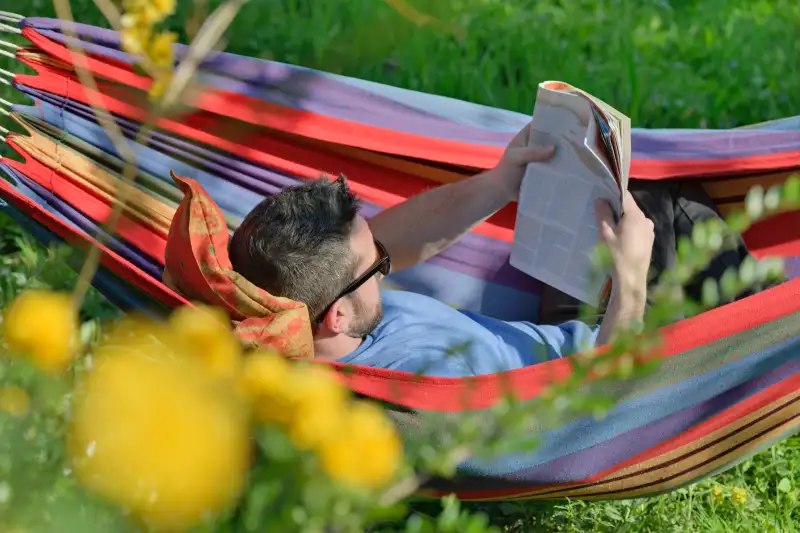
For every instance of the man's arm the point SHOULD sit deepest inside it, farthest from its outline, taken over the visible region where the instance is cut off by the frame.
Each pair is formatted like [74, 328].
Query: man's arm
[630, 242]
[424, 225]
[625, 311]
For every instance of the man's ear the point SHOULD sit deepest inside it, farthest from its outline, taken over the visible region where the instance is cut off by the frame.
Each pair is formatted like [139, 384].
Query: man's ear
[337, 320]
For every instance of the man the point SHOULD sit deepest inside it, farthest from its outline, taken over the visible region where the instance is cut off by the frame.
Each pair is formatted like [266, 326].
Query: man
[309, 243]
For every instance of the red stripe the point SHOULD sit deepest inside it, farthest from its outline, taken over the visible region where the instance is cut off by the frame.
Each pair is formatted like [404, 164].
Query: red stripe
[110, 259]
[448, 394]
[778, 236]
[356, 134]
[370, 182]
[141, 236]
[299, 122]
[654, 169]
[105, 67]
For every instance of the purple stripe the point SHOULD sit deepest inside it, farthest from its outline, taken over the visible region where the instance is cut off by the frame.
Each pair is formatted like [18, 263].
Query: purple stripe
[67, 212]
[236, 170]
[792, 267]
[475, 255]
[725, 144]
[295, 87]
[591, 461]
[311, 90]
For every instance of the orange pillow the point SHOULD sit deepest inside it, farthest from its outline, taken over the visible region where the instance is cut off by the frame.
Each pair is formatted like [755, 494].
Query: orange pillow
[197, 265]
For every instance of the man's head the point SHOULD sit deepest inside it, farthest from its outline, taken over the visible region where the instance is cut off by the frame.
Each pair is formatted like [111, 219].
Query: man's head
[309, 243]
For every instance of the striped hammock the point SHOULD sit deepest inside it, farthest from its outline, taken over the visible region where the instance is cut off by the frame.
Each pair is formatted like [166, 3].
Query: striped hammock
[729, 381]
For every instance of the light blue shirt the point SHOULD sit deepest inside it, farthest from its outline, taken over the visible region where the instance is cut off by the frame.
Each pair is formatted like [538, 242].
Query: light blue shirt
[422, 335]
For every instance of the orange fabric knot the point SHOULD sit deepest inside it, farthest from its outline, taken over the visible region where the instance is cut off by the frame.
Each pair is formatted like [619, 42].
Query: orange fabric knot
[197, 265]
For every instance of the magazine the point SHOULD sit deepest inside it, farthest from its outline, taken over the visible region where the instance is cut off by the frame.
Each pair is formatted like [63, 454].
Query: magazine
[556, 233]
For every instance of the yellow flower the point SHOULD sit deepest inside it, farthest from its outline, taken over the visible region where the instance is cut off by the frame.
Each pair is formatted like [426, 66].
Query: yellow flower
[739, 496]
[265, 382]
[137, 335]
[159, 50]
[14, 401]
[321, 402]
[306, 400]
[717, 493]
[135, 34]
[366, 451]
[153, 11]
[205, 333]
[165, 7]
[157, 436]
[44, 326]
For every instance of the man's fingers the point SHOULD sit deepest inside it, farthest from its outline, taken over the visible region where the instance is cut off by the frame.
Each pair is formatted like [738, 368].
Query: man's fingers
[533, 154]
[604, 212]
[629, 205]
[604, 215]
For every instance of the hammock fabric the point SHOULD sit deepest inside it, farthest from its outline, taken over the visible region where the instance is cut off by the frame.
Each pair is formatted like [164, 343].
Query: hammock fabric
[729, 381]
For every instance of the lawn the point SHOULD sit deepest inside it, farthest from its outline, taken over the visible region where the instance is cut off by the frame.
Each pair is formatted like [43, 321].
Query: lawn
[667, 64]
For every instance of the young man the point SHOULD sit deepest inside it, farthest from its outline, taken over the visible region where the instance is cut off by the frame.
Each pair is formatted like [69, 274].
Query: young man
[309, 243]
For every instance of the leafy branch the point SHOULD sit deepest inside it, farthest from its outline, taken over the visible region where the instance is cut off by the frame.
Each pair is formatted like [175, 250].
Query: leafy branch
[167, 92]
[632, 353]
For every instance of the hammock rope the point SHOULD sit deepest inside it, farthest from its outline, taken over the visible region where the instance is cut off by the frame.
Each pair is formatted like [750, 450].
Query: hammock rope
[729, 384]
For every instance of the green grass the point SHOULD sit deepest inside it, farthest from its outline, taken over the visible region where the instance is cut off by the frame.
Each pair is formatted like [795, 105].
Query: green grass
[676, 64]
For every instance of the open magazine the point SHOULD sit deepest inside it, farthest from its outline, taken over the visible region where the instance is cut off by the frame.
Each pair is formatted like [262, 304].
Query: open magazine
[556, 233]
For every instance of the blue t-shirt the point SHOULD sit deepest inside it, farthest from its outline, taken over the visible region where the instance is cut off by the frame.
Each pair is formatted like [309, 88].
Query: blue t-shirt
[422, 335]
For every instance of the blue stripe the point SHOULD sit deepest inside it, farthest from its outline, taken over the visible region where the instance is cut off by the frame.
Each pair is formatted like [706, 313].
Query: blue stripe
[640, 411]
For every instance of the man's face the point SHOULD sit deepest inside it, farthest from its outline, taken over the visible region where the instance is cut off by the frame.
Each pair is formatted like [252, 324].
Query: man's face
[366, 310]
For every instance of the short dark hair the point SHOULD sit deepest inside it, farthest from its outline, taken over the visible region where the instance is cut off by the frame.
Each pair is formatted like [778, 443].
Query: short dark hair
[296, 244]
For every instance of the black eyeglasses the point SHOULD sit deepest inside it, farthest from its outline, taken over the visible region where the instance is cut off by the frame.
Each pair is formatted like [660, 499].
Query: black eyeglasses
[382, 265]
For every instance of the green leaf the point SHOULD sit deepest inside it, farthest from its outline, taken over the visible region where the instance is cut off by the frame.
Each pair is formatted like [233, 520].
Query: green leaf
[791, 191]
[379, 513]
[685, 248]
[737, 221]
[478, 523]
[415, 524]
[729, 283]
[613, 514]
[772, 200]
[601, 258]
[448, 519]
[785, 485]
[771, 269]
[710, 292]
[747, 270]
[275, 444]
[754, 202]
[715, 240]
[700, 236]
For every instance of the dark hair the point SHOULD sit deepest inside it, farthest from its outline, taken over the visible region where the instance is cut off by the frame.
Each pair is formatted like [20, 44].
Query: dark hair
[296, 244]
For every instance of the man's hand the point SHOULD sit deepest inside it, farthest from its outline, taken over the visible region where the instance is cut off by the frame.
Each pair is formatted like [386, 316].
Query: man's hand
[630, 242]
[426, 224]
[511, 168]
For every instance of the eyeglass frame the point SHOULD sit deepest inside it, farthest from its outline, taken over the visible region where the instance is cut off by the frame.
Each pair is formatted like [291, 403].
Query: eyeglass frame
[383, 265]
